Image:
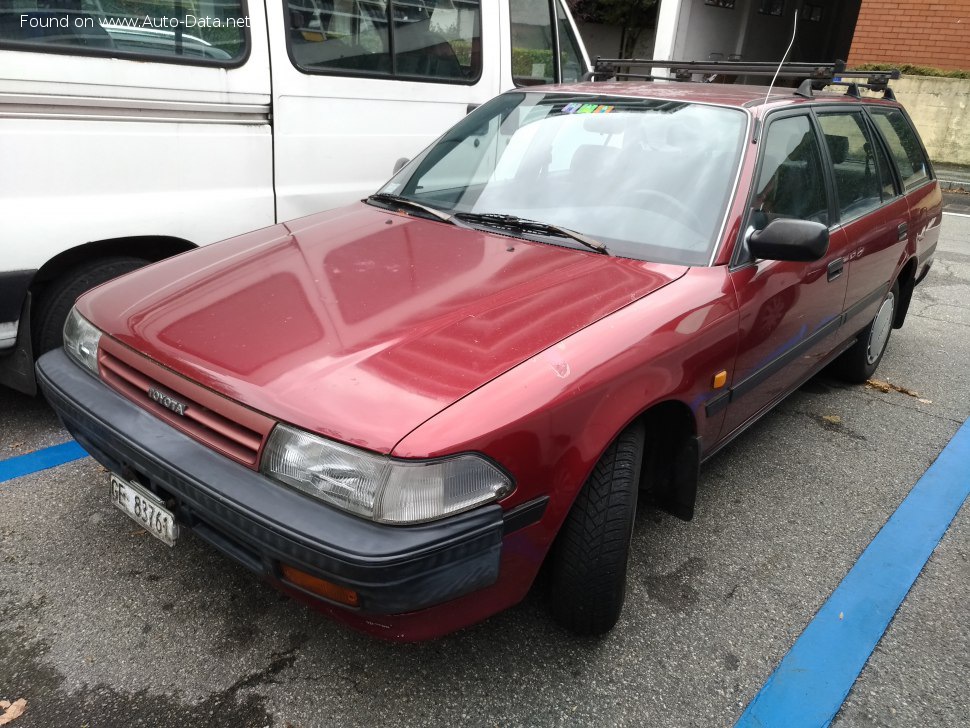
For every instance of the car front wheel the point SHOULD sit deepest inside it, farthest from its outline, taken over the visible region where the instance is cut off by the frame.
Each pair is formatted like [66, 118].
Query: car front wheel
[589, 560]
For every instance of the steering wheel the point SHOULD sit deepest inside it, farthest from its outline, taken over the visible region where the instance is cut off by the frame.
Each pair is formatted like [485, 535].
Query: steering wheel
[681, 211]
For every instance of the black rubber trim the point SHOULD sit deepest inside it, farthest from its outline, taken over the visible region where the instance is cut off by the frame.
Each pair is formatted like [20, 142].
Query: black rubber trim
[774, 366]
[715, 405]
[525, 514]
[13, 290]
[862, 305]
[718, 403]
[255, 520]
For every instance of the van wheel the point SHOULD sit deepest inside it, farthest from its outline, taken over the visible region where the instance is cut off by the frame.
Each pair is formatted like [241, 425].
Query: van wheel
[61, 294]
[589, 559]
[859, 362]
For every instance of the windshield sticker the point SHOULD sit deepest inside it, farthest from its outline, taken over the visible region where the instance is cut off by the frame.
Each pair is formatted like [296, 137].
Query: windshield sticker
[577, 108]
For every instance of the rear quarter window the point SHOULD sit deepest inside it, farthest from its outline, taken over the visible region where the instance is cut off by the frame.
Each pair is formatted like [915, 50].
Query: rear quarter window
[903, 144]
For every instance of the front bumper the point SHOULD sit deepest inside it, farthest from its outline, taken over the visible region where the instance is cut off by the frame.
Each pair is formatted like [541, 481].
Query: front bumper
[260, 523]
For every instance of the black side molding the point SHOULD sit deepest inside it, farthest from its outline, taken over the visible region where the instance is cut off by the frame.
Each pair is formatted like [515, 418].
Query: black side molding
[525, 514]
[719, 402]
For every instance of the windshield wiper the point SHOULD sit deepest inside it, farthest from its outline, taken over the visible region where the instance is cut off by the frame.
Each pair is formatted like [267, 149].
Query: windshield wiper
[406, 202]
[513, 222]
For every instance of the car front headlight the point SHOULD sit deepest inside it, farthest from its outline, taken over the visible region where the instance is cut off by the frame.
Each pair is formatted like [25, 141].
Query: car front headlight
[381, 488]
[81, 341]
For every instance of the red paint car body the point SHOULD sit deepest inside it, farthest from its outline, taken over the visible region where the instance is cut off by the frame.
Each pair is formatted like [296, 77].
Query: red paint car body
[396, 333]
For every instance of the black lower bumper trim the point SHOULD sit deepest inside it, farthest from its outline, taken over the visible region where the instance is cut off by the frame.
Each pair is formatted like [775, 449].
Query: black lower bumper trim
[259, 522]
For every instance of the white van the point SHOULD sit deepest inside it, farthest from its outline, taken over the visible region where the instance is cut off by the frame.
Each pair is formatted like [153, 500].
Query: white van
[131, 130]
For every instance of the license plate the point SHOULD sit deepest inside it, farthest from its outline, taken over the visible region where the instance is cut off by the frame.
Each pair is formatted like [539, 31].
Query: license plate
[145, 508]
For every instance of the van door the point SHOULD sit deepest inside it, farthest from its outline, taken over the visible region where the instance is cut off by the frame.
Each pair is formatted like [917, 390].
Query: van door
[359, 84]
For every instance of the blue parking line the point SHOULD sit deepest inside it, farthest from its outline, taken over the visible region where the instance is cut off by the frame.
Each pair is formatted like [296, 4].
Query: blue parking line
[812, 681]
[49, 457]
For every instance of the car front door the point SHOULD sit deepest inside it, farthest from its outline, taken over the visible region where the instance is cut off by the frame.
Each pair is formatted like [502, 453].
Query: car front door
[789, 311]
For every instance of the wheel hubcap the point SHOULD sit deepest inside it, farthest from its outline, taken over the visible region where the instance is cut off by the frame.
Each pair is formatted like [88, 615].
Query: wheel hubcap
[881, 326]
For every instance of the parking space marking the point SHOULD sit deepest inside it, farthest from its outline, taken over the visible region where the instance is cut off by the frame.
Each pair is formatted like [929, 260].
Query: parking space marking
[813, 680]
[49, 457]
[956, 214]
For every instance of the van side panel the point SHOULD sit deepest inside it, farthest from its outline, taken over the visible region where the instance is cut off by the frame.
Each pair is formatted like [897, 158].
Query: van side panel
[339, 136]
[100, 148]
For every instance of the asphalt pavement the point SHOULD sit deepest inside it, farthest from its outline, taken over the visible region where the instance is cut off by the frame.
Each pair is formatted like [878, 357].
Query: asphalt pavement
[102, 626]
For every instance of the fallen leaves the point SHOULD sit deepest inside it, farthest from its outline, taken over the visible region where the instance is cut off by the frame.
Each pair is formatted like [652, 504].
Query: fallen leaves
[832, 419]
[887, 387]
[11, 711]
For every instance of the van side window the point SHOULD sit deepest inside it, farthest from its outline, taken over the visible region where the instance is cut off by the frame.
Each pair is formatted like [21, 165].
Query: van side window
[216, 33]
[854, 162]
[903, 145]
[532, 43]
[425, 40]
[790, 183]
[573, 66]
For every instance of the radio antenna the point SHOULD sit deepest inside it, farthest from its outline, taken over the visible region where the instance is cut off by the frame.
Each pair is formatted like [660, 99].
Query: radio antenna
[784, 57]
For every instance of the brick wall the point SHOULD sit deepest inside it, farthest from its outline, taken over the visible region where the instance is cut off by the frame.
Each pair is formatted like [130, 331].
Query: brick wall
[933, 34]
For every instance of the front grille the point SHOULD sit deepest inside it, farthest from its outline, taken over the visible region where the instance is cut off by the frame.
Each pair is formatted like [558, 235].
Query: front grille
[224, 425]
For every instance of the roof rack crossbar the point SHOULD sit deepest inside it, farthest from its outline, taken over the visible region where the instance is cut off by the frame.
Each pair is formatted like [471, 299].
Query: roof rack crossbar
[747, 68]
[815, 75]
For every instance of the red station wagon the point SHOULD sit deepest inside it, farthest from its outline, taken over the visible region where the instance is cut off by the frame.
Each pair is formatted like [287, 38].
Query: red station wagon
[399, 411]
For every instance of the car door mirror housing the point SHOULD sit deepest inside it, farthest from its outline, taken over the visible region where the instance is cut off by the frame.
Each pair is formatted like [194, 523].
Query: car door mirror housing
[794, 240]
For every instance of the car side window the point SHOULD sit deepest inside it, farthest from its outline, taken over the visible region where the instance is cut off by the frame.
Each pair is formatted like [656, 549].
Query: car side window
[790, 183]
[854, 162]
[903, 145]
[421, 40]
[216, 33]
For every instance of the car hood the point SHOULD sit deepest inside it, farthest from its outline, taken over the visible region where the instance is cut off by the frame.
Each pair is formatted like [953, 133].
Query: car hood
[360, 324]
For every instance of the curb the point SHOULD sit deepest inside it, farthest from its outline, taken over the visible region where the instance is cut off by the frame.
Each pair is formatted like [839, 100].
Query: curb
[948, 185]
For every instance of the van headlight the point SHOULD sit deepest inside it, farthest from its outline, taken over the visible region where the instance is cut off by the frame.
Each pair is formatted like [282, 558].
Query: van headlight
[381, 488]
[81, 341]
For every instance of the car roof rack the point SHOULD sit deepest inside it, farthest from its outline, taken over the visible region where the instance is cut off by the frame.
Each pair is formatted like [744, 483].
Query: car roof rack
[814, 75]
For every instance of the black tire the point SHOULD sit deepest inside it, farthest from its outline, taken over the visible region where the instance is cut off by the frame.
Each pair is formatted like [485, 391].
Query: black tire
[60, 295]
[589, 558]
[859, 362]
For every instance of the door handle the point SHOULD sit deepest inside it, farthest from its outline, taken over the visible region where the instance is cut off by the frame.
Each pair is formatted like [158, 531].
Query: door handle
[902, 232]
[835, 268]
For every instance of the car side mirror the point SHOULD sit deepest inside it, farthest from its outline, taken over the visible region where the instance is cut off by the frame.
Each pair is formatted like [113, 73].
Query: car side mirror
[794, 240]
[399, 164]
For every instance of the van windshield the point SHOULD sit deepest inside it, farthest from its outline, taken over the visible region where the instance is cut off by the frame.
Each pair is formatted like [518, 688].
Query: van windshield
[648, 178]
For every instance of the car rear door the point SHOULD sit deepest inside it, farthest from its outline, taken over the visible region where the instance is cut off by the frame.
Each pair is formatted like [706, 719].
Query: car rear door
[873, 215]
[924, 200]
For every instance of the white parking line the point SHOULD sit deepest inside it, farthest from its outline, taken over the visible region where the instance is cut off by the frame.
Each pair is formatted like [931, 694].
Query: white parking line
[956, 214]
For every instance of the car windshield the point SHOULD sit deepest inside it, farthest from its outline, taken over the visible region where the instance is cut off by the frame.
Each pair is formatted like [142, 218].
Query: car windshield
[649, 179]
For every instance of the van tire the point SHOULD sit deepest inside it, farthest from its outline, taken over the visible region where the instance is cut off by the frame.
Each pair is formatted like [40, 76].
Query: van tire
[589, 558]
[62, 292]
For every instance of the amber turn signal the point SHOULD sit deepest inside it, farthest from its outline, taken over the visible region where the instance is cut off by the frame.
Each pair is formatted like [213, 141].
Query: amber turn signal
[320, 587]
[720, 379]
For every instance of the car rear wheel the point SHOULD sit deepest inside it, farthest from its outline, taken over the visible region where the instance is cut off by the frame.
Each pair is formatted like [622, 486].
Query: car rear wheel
[589, 559]
[61, 294]
[859, 362]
